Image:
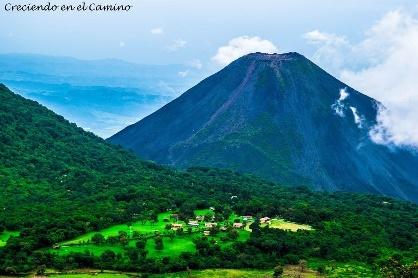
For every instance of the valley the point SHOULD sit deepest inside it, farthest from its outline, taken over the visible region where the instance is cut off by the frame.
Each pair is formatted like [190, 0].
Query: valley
[177, 236]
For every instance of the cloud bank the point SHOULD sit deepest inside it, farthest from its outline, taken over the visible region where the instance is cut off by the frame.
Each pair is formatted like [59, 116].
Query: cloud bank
[241, 46]
[383, 65]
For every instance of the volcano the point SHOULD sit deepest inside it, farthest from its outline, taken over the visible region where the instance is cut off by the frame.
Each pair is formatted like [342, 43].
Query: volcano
[281, 117]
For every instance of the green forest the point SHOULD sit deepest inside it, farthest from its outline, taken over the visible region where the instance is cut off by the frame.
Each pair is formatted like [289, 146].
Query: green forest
[58, 183]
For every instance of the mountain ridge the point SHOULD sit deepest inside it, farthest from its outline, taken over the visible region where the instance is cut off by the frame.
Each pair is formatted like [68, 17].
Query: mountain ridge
[281, 117]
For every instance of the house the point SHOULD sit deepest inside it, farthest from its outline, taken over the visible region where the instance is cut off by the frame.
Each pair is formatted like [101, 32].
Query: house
[206, 233]
[264, 220]
[223, 228]
[210, 224]
[200, 217]
[193, 223]
[175, 226]
[247, 218]
[56, 246]
[238, 225]
[212, 208]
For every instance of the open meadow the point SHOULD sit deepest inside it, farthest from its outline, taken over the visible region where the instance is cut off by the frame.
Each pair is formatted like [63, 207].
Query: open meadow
[175, 239]
[289, 271]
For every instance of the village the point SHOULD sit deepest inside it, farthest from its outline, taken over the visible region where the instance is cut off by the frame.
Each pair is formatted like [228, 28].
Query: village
[208, 224]
[170, 236]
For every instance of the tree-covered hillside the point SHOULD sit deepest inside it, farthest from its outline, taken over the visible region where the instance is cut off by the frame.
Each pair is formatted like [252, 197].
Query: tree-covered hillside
[58, 181]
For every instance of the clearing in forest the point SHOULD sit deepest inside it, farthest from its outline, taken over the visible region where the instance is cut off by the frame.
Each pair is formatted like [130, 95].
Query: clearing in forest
[4, 237]
[177, 236]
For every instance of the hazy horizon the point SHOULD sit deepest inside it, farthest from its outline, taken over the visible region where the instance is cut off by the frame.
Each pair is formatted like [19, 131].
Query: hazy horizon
[369, 45]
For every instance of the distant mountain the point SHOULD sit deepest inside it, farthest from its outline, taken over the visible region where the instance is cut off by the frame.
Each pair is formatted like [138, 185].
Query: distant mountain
[280, 117]
[58, 182]
[100, 95]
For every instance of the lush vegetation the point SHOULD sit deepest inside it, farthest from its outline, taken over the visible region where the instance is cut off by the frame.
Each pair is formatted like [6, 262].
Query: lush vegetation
[5, 235]
[121, 238]
[58, 183]
[227, 273]
[89, 275]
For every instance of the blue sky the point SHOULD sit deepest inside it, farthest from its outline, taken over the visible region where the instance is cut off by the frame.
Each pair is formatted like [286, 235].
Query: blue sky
[370, 45]
[202, 25]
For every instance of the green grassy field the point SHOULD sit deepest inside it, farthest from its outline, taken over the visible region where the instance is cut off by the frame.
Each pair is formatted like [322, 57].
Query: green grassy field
[277, 223]
[225, 273]
[288, 226]
[97, 250]
[289, 271]
[90, 275]
[142, 227]
[5, 236]
[335, 269]
[172, 247]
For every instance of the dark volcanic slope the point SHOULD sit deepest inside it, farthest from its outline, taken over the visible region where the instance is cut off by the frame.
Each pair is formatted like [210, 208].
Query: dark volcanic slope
[280, 117]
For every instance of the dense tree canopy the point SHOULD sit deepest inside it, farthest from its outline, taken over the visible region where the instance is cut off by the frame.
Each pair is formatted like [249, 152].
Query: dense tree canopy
[58, 181]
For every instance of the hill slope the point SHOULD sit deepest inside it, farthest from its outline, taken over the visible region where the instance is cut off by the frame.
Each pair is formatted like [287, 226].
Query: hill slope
[58, 182]
[280, 117]
[51, 168]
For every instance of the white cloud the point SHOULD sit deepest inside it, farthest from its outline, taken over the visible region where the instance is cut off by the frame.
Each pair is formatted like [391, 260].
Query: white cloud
[384, 65]
[318, 37]
[122, 44]
[195, 63]
[157, 31]
[176, 45]
[338, 106]
[183, 73]
[241, 46]
[358, 119]
[330, 48]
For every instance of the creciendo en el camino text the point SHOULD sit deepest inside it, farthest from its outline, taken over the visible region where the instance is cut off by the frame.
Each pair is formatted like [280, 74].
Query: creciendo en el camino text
[79, 7]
